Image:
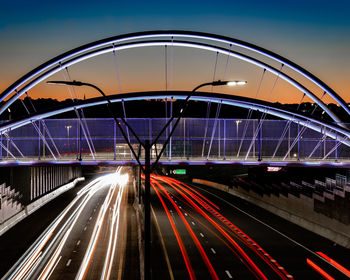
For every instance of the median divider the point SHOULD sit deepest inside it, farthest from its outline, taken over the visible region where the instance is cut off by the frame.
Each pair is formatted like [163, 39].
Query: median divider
[299, 211]
[35, 205]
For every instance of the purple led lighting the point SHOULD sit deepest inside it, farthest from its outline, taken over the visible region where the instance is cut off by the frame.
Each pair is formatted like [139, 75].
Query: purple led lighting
[308, 122]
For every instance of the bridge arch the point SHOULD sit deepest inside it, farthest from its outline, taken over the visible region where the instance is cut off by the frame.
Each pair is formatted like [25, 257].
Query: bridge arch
[210, 42]
[156, 38]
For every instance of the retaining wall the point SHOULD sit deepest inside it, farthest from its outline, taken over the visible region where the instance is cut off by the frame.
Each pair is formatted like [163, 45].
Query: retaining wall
[299, 211]
[32, 207]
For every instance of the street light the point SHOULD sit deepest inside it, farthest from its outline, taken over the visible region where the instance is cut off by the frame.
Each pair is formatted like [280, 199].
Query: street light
[147, 145]
[237, 123]
[184, 107]
[236, 83]
[68, 127]
[9, 110]
[8, 140]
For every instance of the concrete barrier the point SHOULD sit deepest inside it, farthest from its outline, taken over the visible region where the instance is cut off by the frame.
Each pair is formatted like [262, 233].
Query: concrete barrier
[211, 184]
[32, 207]
[299, 211]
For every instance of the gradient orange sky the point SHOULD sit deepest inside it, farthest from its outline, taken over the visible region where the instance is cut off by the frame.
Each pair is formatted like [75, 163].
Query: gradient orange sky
[313, 34]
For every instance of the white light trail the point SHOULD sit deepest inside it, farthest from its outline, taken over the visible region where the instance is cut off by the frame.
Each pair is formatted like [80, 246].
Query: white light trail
[27, 265]
[114, 180]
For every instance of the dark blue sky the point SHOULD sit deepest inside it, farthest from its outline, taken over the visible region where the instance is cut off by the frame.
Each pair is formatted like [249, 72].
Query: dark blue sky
[314, 34]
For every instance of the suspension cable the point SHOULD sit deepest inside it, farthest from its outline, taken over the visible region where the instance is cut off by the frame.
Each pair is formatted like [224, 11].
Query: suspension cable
[117, 68]
[250, 112]
[172, 70]
[286, 128]
[301, 132]
[127, 129]
[263, 115]
[214, 127]
[44, 126]
[226, 64]
[84, 122]
[206, 126]
[38, 131]
[81, 122]
[208, 106]
[166, 66]
[83, 119]
[214, 73]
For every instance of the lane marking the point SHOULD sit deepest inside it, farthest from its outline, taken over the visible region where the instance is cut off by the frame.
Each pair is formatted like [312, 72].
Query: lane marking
[85, 228]
[193, 223]
[170, 270]
[337, 265]
[68, 263]
[228, 274]
[261, 222]
[78, 242]
[90, 218]
[186, 214]
[213, 250]
[124, 235]
[201, 234]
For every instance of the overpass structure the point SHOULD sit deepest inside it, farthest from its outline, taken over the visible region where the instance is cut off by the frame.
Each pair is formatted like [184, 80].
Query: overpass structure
[279, 136]
[296, 136]
[195, 141]
[293, 138]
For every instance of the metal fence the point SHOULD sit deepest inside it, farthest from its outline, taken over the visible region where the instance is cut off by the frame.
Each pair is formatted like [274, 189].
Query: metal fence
[194, 139]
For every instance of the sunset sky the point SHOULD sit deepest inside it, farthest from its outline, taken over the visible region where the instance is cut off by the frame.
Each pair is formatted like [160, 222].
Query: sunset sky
[313, 34]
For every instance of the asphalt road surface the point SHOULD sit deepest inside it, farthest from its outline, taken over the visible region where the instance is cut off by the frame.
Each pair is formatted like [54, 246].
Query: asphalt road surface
[203, 233]
[87, 240]
[197, 233]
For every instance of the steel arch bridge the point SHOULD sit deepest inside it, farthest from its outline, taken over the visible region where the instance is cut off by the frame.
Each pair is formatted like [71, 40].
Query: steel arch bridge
[327, 141]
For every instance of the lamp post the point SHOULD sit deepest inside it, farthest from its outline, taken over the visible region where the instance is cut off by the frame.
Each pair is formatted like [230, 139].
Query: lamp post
[237, 123]
[147, 145]
[8, 140]
[68, 127]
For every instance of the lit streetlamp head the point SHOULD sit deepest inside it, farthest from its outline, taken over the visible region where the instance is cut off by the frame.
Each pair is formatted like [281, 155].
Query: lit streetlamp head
[222, 83]
[236, 83]
[227, 83]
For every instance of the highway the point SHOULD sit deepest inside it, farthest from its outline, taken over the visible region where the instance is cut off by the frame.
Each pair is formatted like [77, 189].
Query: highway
[87, 240]
[197, 233]
[207, 234]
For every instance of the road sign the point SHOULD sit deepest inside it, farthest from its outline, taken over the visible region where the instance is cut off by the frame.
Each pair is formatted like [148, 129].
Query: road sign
[179, 171]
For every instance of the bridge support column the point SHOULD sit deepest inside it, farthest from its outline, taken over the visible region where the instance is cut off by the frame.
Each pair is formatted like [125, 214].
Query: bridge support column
[147, 257]
[298, 141]
[139, 187]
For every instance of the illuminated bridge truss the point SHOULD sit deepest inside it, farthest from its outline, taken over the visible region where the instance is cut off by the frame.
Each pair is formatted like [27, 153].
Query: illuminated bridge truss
[223, 142]
[295, 136]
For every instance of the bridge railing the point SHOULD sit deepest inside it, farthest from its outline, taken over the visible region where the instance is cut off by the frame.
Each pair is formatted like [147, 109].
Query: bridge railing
[194, 139]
